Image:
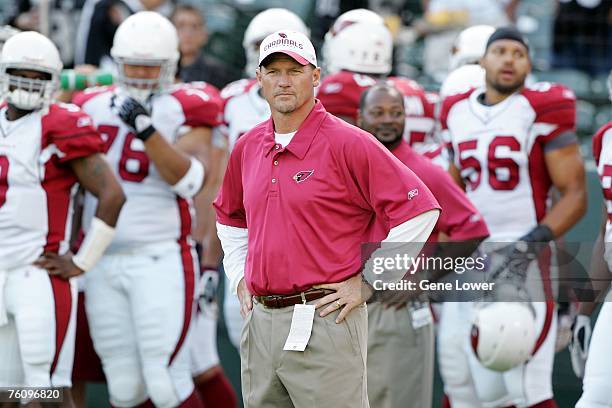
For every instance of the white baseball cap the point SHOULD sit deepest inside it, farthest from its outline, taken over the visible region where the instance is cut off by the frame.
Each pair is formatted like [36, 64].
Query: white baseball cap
[294, 44]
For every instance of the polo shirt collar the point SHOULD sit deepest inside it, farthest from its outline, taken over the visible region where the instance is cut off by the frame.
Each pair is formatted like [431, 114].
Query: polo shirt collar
[301, 141]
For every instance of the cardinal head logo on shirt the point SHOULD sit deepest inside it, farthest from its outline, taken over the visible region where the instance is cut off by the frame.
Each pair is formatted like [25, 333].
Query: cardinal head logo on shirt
[302, 175]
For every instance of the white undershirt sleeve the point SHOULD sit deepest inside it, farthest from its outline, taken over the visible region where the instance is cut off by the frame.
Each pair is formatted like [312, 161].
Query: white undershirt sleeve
[234, 242]
[415, 231]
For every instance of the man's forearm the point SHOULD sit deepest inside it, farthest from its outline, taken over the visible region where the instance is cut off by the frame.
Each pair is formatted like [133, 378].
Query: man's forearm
[171, 164]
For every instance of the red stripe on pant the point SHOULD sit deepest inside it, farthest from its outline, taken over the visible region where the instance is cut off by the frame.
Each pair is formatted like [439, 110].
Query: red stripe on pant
[189, 275]
[544, 261]
[62, 296]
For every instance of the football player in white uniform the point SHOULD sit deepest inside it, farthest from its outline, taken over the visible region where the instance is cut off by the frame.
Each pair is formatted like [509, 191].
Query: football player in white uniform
[45, 149]
[598, 369]
[244, 108]
[140, 297]
[511, 144]
[359, 52]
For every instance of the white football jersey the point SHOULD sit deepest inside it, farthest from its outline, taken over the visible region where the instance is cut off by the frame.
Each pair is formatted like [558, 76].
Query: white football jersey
[243, 108]
[499, 151]
[36, 183]
[602, 153]
[152, 212]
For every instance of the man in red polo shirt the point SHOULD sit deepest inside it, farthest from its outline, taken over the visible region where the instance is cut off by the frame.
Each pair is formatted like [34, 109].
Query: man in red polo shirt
[401, 338]
[301, 193]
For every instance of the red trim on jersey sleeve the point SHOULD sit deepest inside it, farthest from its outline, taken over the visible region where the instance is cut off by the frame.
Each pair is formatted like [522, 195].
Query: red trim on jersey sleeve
[598, 141]
[71, 131]
[82, 97]
[556, 106]
[201, 103]
[62, 297]
[448, 103]
[540, 180]
[409, 87]
[339, 93]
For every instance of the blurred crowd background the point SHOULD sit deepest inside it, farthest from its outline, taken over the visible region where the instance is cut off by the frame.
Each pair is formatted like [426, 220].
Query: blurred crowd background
[571, 39]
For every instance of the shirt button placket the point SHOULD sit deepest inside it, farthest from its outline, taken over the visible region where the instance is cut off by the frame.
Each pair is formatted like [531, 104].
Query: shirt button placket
[275, 169]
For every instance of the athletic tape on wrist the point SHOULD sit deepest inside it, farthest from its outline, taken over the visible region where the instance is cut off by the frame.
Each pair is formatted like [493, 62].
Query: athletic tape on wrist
[192, 181]
[98, 238]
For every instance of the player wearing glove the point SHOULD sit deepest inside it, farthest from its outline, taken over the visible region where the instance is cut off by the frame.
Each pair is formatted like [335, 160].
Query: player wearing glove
[579, 345]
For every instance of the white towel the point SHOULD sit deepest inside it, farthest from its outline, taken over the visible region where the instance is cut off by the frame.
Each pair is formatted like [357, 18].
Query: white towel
[3, 313]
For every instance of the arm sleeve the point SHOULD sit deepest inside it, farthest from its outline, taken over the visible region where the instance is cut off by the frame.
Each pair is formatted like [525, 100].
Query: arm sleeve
[72, 133]
[234, 242]
[415, 231]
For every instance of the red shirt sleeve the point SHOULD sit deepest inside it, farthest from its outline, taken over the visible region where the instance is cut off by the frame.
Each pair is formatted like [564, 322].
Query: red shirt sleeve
[71, 131]
[202, 104]
[554, 105]
[380, 182]
[340, 93]
[229, 202]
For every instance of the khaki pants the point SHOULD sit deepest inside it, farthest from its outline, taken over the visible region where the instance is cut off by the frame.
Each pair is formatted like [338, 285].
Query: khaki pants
[331, 372]
[400, 359]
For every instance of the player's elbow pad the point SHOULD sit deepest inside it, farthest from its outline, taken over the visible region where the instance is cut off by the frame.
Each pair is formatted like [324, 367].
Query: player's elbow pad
[192, 181]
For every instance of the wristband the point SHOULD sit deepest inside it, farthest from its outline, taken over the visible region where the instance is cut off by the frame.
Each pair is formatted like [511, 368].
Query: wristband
[98, 238]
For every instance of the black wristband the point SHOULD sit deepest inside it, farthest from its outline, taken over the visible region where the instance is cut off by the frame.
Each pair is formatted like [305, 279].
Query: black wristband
[145, 134]
[541, 233]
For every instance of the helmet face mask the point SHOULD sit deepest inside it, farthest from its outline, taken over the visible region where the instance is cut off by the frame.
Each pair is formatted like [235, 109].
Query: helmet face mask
[141, 88]
[145, 39]
[33, 52]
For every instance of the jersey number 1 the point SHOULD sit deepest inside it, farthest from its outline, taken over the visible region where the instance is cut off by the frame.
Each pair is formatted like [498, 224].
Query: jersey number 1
[4, 167]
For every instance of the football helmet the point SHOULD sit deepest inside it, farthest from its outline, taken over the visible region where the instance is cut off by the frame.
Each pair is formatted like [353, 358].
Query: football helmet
[146, 38]
[264, 24]
[462, 79]
[503, 334]
[470, 45]
[361, 47]
[331, 60]
[29, 50]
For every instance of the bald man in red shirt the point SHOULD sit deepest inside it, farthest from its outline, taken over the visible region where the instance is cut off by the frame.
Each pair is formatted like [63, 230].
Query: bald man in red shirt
[301, 194]
[400, 339]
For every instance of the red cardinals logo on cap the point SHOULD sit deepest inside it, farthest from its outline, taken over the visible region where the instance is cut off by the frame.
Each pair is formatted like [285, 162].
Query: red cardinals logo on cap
[282, 35]
[302, 175]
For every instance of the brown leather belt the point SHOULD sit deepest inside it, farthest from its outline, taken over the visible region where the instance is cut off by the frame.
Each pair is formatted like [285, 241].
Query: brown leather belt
[280, 301]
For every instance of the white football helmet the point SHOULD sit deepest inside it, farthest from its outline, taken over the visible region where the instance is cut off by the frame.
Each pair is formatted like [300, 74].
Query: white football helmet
[146, 38]
[330, 59]
[29, 50]
[264, 24]
[361, 47]
[503, 334]
[470, 45]
[462, 79]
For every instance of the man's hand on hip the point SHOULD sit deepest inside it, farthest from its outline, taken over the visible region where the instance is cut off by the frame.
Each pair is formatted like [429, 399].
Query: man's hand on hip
[246, 300]
[348, 295]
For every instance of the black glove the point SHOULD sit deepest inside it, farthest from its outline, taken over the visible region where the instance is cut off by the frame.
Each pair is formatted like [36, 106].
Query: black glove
[521, 253]
[134, 115]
